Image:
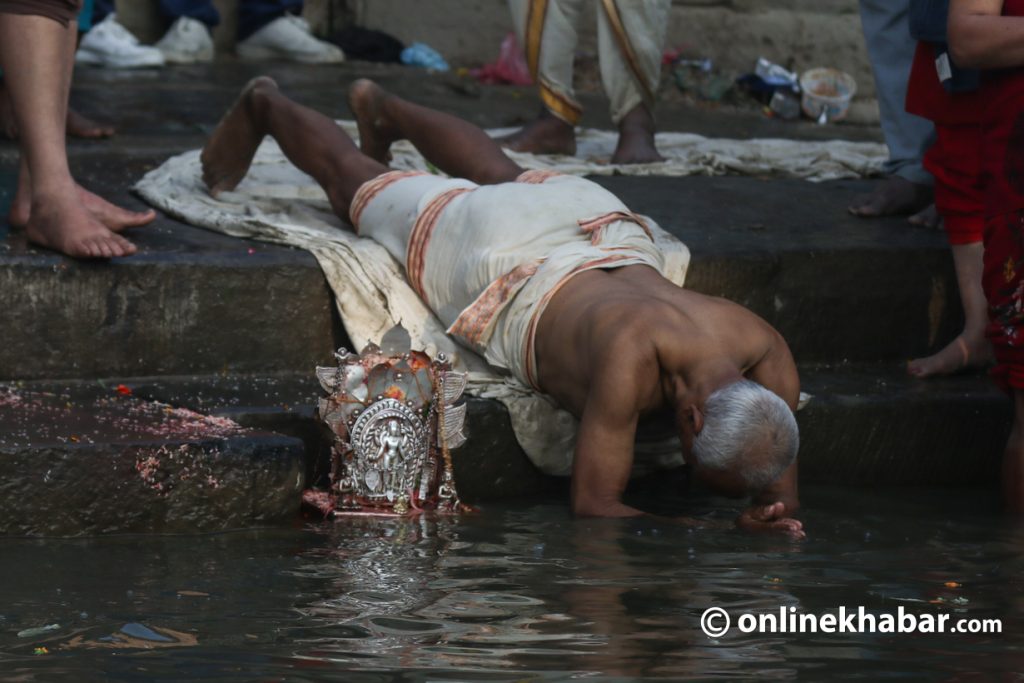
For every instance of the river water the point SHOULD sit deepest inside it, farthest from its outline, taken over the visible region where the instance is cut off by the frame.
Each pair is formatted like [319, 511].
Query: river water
[520, 592]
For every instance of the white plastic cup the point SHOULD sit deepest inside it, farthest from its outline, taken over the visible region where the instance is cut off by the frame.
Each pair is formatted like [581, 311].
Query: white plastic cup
[827, 93]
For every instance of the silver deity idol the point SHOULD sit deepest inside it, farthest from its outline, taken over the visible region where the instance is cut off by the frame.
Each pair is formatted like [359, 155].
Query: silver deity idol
[394, 419]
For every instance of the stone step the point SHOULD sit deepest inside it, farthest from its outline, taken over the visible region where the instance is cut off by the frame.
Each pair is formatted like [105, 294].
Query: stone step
[838, 288]
[80, 458]
[866, 425]
[84, 459]
[872, 424]
[190, 301]
[490, 466]
[195, 302]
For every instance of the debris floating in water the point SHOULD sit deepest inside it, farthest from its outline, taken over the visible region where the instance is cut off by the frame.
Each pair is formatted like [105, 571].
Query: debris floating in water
[38, 631]
[41, 651]
[143, 632]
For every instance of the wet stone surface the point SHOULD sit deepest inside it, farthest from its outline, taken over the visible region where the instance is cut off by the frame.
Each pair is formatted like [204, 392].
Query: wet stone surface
[90, 459]
[489, 466]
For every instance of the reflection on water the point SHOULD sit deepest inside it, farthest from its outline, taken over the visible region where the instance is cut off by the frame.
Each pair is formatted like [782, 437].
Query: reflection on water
[510, 594]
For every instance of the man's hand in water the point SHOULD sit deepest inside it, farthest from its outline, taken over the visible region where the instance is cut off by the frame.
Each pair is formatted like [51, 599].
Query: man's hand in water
[771, 518]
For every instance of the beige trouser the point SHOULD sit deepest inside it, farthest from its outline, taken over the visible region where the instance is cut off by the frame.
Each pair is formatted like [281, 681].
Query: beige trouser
[630, 38]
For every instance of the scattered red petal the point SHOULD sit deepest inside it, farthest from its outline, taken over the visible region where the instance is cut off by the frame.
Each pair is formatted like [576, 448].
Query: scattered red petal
[123, 390]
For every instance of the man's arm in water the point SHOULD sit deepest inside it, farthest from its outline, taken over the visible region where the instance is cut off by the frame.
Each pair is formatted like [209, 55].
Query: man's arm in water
[776, 371]
[604, 443]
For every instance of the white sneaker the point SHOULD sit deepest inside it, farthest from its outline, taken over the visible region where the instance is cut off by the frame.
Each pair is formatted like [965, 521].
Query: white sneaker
[187, 41]
[111, 45]
[289, 38]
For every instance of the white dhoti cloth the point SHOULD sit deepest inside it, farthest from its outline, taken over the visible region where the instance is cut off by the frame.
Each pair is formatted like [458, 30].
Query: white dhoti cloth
[630, 39]
[488, 259]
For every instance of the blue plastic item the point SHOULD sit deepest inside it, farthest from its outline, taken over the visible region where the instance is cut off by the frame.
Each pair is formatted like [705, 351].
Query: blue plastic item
[421, 54]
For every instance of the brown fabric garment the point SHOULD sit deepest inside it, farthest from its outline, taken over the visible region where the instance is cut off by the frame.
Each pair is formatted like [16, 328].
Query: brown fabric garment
[62, 11]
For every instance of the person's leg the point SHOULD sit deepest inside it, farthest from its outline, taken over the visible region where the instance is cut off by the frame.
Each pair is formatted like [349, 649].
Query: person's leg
[77, 125]
[631, 34]
[310, 140]
[1003, 283]
[891, 50]
[955, 161]
[970, 349]
[35, 53]
[319, 147]
[113, 217]
[547, 32]
[457, 147]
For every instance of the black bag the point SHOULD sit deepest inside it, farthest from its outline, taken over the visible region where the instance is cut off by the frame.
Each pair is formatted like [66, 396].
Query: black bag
[368, 45]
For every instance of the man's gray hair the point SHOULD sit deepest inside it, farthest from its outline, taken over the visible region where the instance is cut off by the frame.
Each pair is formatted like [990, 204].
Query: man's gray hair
[740, 417]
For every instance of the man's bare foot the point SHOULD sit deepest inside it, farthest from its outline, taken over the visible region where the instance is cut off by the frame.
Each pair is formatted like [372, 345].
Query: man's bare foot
[636, 138]
[230, 149]
[112, 217]
[893, 196]
[68, 227]
[928, 217]
[546, 134]
[79, 126]
[966, 352]
[376, 132]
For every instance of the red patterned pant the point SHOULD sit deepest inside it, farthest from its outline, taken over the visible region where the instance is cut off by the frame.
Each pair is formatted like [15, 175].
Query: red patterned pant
[1003, 281]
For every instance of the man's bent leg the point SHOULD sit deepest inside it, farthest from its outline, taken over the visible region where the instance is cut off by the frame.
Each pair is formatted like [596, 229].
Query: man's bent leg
[457, 147]
[310, 140]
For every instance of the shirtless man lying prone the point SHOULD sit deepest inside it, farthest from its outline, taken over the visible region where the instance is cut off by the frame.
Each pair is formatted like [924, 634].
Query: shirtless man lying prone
[554, 279]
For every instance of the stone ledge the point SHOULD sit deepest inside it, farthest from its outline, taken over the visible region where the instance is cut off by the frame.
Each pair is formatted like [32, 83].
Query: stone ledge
[81, 460]
[194, 301]
[866, 424]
